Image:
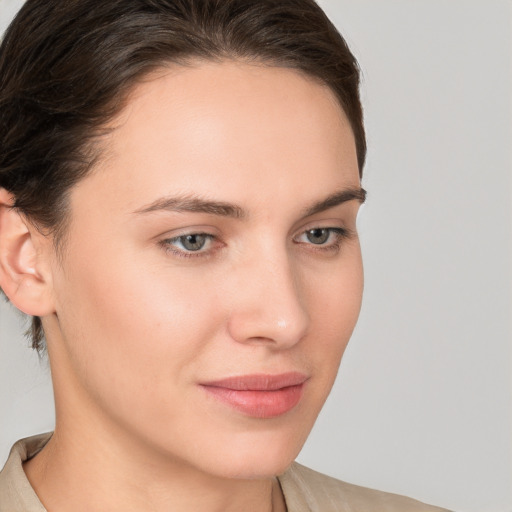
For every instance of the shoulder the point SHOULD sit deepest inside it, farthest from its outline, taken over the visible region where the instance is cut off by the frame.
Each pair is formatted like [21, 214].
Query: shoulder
[306, 490]
[16, 493]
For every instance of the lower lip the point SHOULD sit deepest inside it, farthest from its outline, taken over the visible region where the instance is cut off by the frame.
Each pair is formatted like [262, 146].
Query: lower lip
[259, 404]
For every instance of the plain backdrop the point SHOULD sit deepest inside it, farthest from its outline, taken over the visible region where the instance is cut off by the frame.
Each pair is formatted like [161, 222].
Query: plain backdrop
[422, 404]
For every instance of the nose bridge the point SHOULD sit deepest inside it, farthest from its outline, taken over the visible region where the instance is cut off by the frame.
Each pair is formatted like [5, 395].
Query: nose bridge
[270, 306]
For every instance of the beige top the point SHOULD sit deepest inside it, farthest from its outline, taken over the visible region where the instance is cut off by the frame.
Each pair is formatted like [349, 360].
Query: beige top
[304, 490]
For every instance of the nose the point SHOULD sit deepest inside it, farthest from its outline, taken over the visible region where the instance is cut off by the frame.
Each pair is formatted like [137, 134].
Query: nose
[268, 305]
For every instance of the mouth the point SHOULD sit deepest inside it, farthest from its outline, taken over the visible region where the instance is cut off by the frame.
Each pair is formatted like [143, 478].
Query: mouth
[259, 395]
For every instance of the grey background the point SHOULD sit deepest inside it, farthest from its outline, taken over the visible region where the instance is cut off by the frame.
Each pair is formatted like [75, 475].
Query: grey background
[422, 405]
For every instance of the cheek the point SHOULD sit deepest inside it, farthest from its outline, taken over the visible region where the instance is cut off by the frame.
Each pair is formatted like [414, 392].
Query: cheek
[334, 309]
[134, 335]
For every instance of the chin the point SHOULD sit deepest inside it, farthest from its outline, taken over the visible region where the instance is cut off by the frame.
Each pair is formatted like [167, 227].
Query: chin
[263, 466]
[257, 455]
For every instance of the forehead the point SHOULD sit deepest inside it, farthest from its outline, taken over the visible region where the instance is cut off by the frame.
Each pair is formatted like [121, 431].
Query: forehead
[216, 126]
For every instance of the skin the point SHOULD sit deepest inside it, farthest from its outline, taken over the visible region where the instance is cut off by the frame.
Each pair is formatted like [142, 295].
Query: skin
[135, 323]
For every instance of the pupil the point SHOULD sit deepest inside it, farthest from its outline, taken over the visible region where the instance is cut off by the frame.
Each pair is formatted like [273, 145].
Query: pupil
[318, 236]
[193, 242]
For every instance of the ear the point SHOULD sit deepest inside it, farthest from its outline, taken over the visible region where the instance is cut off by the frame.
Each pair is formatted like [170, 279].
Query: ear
[24, 275]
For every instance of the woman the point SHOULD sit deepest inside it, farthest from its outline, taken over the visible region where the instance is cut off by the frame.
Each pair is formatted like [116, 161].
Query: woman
[179, 185]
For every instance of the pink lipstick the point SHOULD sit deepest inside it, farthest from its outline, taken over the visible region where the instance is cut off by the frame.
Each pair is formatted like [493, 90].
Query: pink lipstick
[260, 395]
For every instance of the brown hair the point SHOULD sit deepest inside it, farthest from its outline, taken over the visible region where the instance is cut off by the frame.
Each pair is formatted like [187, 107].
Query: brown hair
[67, 66]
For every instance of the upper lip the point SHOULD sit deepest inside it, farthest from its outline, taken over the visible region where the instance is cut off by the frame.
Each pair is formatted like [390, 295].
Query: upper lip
[259, 381]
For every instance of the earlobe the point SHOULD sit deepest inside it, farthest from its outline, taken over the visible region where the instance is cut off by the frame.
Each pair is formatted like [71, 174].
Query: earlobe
[22, 277]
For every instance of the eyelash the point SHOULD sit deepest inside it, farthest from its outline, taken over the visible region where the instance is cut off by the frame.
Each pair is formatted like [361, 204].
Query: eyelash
[340, 234]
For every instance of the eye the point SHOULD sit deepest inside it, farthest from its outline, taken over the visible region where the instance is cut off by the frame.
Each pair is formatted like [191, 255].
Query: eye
[318, 236]
[190, 244]
[327, 239]
[194, 242]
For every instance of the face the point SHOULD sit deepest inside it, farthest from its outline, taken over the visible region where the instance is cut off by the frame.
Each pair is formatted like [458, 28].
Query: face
[211, 275]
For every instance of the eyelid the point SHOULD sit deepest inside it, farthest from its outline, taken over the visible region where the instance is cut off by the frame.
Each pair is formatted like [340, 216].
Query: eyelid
[334, 223]
[196, 229]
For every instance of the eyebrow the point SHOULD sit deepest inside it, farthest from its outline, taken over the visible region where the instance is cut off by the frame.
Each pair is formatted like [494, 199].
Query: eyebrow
[197, 205]
[343, 196]
[194, 204]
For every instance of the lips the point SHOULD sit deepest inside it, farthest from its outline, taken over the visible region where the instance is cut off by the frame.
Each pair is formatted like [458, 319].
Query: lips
[260, 395]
